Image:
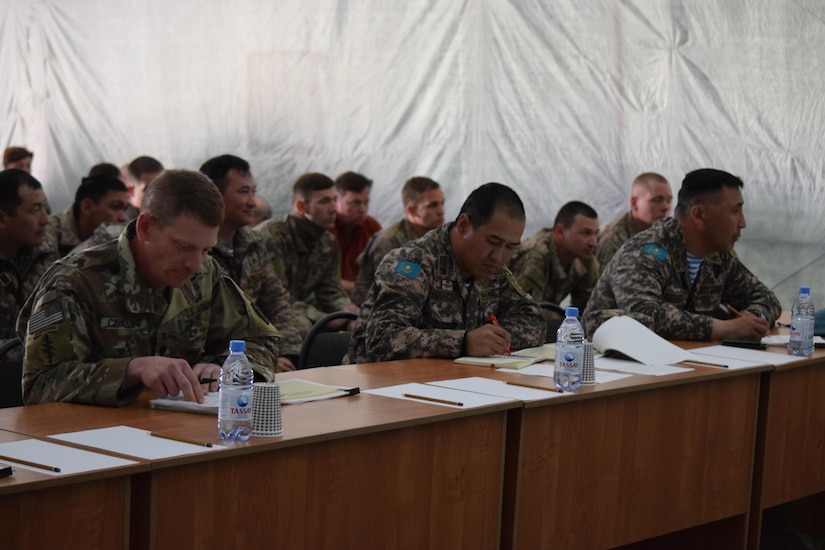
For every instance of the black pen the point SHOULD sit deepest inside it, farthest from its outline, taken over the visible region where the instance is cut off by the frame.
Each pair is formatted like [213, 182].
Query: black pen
[207, 380]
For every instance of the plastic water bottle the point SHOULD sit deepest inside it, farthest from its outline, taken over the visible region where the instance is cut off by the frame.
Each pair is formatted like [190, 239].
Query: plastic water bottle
[567, 373]
[235, 404]
[801, 341]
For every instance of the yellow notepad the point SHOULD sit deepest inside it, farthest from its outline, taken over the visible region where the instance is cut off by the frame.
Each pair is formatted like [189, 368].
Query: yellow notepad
[516, 360]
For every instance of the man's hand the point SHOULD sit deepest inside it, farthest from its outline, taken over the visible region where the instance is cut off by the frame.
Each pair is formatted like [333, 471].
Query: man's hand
[168, 376]
[748, 326]
[284, 365]
[487, 340]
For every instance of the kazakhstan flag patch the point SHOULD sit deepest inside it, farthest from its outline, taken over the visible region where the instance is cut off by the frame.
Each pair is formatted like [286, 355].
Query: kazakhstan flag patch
[656, 251]
[407, 269]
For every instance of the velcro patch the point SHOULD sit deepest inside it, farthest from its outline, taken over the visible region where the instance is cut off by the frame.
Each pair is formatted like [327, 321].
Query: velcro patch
[656, 251]
[407, 269]
[46, 316]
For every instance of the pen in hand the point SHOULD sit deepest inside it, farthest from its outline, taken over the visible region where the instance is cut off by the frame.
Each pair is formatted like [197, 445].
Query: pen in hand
[494, 320]
[730, 309]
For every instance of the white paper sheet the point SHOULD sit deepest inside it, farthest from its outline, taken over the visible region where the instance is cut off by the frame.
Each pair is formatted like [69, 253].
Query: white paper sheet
[603, 376]
[633, 367]
[755, 356]
[630, 337]
[500, 388]
[467, 399]
[133, 442]
[68, 459]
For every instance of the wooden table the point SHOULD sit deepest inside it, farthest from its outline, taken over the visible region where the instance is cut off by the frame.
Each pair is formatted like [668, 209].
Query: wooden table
[646, 461]
[790, 463]
[364, 471]
[89, 510]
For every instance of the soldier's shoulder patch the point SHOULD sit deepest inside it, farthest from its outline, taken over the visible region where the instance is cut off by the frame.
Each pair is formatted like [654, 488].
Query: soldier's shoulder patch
[47, 315]
[407, 269]
[656, 251]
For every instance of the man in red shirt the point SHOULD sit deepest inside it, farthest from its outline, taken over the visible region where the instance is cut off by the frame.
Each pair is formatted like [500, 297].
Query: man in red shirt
[353, 226]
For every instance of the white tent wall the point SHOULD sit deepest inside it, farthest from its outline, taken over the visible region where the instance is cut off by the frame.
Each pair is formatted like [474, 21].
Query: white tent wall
[559, 99]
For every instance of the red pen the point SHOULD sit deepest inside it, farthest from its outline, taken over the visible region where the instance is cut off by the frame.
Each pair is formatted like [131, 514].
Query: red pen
[495, 322]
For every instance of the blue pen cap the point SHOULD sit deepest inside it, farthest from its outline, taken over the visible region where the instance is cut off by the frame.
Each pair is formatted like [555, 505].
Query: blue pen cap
[571, 312]
[237, 346]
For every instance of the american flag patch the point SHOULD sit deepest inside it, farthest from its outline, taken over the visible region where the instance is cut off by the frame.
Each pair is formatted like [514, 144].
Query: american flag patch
[48, 315]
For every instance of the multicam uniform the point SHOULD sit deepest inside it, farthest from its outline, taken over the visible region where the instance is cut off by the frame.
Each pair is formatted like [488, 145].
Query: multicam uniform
[649, 281]
[420, 307]
[612, 236]
[92, 313]
[539, 272]
[249, 263]
[380, 243]
[308, 261]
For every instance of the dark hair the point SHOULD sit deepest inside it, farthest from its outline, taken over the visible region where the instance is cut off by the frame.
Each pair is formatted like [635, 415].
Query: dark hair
[95, 188]
[15, 154]
[699, 185]
[351, 181]
[11, 181]
[485, 200]
[177, 192]
[567, 214]
[144, 165]
[312, 181]
[415, 186]
[105, 169]
[217, 169]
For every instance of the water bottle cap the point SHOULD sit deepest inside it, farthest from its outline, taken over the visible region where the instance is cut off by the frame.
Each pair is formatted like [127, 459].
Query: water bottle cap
[572, 312]
[237, 346]
[805, 290]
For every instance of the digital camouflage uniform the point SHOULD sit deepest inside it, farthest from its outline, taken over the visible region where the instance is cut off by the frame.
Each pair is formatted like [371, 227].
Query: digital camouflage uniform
[537, 268]
[612, 236]
[308, 261]
[103, 233]
[62, 229]
[92, 313]
[649, 281]
[18, 277]
[380, 243]
[420, 307]
[250, 266]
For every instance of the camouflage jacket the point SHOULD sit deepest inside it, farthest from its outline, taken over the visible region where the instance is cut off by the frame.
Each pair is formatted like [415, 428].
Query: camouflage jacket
[249, 263]
[378, 245]
[420, 307]
[63, 231]
[308, 261]
[648, 280]
[18, 277]
[612, 236]
[537, 268]
[103, 233]
[91, 313]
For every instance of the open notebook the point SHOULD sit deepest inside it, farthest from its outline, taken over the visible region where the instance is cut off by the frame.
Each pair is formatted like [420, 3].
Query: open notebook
[517, 360]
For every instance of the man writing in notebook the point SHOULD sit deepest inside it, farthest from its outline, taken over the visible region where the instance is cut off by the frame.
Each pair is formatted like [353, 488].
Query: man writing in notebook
[438, 296]
[149, 309]
[675, 276]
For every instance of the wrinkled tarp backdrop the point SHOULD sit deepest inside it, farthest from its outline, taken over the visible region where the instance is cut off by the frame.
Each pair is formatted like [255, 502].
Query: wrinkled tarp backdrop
[560, 99]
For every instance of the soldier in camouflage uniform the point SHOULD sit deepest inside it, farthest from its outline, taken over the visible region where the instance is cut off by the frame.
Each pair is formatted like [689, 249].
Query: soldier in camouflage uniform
[99, 199]
[243, 254]
[150, 309]
[424, 209]
[439, 296]
[558, 261]
[650, 198]
[674, 276]
[25, 250]
[306, 255]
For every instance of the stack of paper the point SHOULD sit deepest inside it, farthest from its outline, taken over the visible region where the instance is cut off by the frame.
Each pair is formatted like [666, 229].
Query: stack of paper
[516, 360]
